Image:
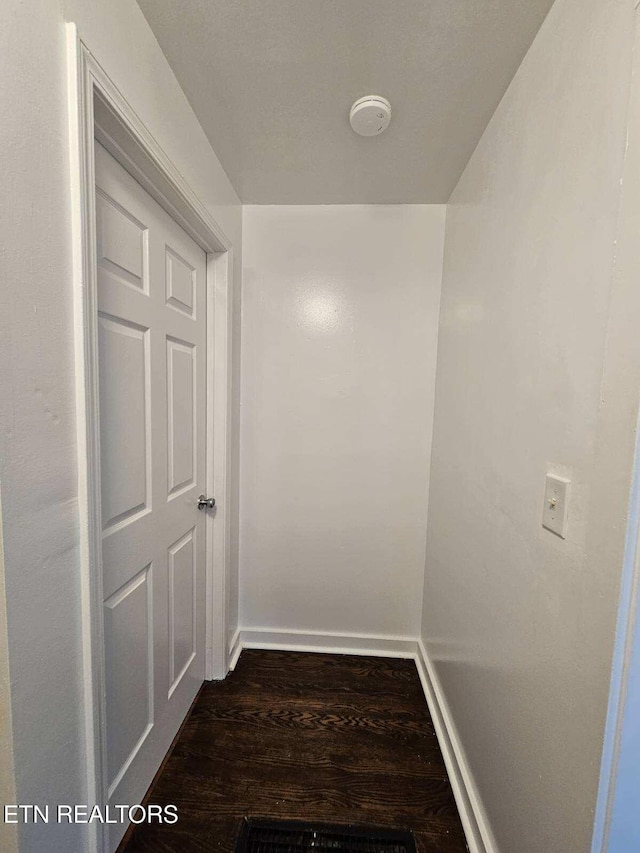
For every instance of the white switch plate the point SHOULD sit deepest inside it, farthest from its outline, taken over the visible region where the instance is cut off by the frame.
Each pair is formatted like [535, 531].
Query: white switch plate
[556, 500]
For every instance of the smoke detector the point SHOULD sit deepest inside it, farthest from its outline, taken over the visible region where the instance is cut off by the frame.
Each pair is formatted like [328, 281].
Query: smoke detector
[370, 115]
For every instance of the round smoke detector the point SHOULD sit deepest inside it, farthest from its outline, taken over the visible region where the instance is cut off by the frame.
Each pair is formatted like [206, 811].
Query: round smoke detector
[370, 115]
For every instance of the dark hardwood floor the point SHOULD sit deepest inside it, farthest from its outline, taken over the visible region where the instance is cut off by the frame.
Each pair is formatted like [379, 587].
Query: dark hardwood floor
[305, 736]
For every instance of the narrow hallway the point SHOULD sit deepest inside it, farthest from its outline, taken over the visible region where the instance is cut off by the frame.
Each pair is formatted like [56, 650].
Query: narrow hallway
[320, 426]
[305, 736]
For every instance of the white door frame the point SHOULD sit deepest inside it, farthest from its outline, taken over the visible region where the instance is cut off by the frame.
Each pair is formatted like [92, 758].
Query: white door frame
[97, 109]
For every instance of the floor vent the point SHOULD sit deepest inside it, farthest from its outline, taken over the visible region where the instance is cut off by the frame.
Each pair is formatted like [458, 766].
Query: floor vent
[264, 836]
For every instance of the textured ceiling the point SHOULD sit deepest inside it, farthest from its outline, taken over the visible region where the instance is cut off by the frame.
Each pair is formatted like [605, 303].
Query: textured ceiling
[272, 81]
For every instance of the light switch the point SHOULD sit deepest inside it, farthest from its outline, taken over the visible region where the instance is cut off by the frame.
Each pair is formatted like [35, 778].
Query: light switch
[556, 498]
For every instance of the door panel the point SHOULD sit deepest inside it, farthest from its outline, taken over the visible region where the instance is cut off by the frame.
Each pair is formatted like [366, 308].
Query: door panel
[125, 439]
[182, 607]
[152, 352]
[181, 284]
[182, 414]
[122, 242]
[129, 674]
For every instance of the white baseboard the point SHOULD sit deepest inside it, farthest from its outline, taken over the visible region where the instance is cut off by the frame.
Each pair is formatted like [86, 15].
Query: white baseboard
[337, 644]
[474, 820]
[235, 647]
[472, 814]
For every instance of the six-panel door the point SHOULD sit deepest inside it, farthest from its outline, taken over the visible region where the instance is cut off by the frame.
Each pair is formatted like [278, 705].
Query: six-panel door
[152, 355]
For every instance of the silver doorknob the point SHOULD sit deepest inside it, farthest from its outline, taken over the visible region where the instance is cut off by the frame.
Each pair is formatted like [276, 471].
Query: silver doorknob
[206, 503]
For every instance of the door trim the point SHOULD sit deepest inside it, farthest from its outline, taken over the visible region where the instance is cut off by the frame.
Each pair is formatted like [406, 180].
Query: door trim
[97, 109]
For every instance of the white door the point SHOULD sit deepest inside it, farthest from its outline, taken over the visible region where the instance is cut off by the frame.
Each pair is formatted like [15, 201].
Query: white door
[152, 342]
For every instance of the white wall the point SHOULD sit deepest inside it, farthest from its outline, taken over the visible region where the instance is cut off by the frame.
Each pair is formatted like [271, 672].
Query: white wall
[519, 622]
[37, 417]
[340, 313]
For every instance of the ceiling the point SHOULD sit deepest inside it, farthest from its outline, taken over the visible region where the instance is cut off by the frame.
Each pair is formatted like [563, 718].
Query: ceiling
[272, 82]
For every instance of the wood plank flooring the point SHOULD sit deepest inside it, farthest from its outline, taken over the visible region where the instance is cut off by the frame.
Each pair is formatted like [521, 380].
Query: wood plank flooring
[305, 736]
